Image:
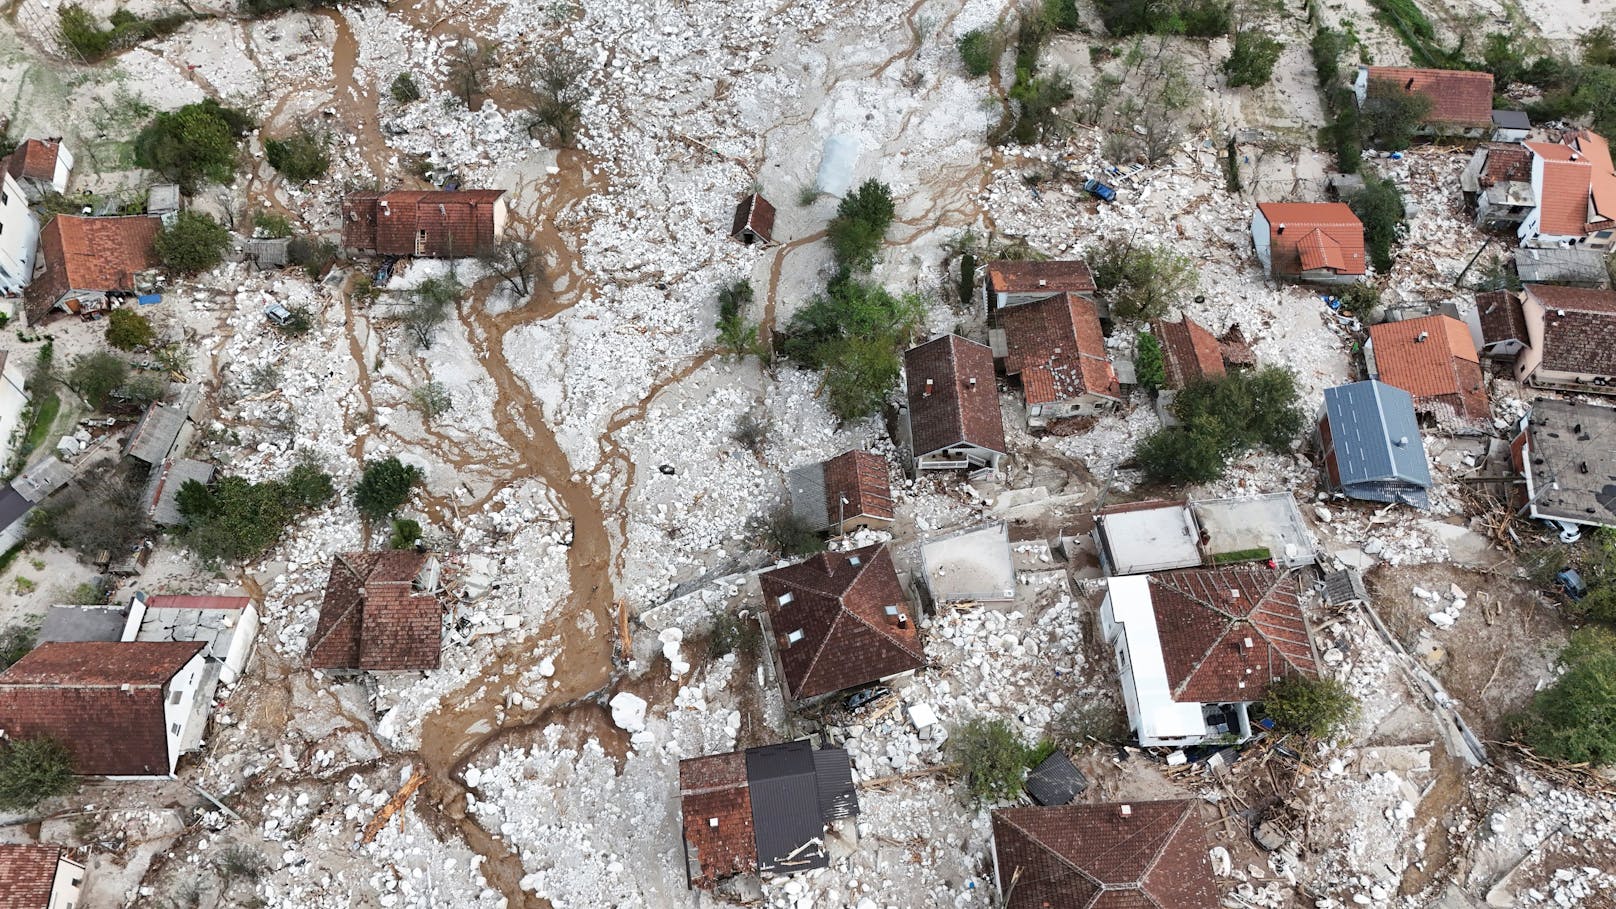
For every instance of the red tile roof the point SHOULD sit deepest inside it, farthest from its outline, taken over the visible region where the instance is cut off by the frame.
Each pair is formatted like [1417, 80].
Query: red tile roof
[862, 479]
[1567, 181]
[34, 159]
[1189, 352]
[372, 616]
[27, 874]
[1579, 329]
[838, 601]
[1053, 277]
[1501, 317]
[454, 224]
[103, 700]
[1434, 359]
[1097, 857]
[1506, 164]
[1326, 233]
[961, 406]
[1458, 97]
[757, 213]
[90, 254]
[1603, 178]
[1057, 348]
[1204, 618]
[712, 787]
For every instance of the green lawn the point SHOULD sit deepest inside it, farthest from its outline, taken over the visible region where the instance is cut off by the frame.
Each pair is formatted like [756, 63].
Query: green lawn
[44, 418]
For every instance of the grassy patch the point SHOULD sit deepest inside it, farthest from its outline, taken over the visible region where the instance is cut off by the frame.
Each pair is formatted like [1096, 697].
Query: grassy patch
[44, 418]
[1259, 553]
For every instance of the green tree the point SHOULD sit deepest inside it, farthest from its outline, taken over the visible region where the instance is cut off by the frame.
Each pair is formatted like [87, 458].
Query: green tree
[404, 89]
[128, 330]
[383, 487]
[1219, 419]
[430, 304]
[308, 485]
[1316, 707]
[1391, 115]
[1380, 207]
[860, 226]
[558, 91]
[1252, 60]
[1327, 47]
[1575, 718]
[235, 520]
[193, 244]
[193, 145]
[864, 371]
[1180, 456]
[1150, 367]
[992, 758]
[300, 157]
[405, 533]
[791, 535]
[15, 642]
[848, 309]
[978, 50]
[94, 376]
[736, 335]
[272, 224]
[469, 63]
[32, 770]
[1140, 280]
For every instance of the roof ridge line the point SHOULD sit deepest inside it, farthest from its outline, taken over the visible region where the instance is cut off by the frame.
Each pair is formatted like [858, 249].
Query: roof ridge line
[1059, 856]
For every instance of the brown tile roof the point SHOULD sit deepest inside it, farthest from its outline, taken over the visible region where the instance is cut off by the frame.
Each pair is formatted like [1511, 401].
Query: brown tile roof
[1441, 371]
[1501, 317]
[1096, 857]
[1189, 352]
[1205, 616]
[1057, 348]
[1458, 97]
[1325, 234]
[755, 212]
[90, 254]
[457, 223]
[862, 479]
[373, 618]
[1236, 349]
[1567, 181]
[34, 159]
[1054, 276]
[1583, 339]
[953, 410]
[1506, 164]
[1603, 179]
[27, 874]
[102, 699]
[715, 786]
[838, 601]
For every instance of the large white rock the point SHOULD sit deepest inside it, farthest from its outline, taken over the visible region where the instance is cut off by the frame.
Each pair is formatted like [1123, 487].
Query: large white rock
[628, 711]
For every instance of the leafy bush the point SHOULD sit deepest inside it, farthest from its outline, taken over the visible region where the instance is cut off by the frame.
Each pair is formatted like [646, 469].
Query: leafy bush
[429, 306]
[193, 244]
[791, 535]
[1195, 18]
[1179, 455]
[312, 254]
[1380, 207]
[1252, 60]
[1140, 280]
[404, 89]
[978, 50]
[1575, 718]
[1034, 95]
[384, 487]
[432, 399]
[860, 226]
[1316, 707]
[864, 371]
[299, 158]
[235, 519]
[1219, 419]
[127, 329]
[1327, 47]
[405, 533]
[1062, 15]
[271, 224]
[1390, 116]
[732, 634]
[32, 770]
[854, 331]
[193, 145]
[1149, 366]
[15, 642]
[94, 376]
[736, 336]
[992, 758]
[86, 38]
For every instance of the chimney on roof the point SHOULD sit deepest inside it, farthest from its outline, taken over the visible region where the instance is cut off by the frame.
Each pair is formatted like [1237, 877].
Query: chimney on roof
[1420, 338]
[712, 822]
[1125, 810]
[1042, 282]
[1409, 85]
[1401, 441]
[927, 392]
[1281, 229]
[972, 381]
[386, 212]
[1247, 643]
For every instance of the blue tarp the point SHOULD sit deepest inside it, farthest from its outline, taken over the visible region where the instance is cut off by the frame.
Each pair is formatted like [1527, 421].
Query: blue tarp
[150, 299]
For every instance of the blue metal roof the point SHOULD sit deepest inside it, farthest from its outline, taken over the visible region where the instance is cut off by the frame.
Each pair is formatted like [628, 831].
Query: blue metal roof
[1375, 434]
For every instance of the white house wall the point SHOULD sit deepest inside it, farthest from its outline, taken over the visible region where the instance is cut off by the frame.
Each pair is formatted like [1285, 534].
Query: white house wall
[67, 886]
[1261, 236]
[13, 401]
[183, 712]
[1130, 624]
[19, 237]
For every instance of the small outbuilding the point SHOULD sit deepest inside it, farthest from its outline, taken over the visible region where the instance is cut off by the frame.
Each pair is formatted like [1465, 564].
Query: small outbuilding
[754, 221]
[1369, 437]
[846, 493]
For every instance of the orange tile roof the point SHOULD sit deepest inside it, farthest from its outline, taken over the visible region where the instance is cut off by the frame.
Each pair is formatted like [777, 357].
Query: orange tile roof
[35, 159]
[27, 874]
[1189, 352]
[1030, 276]
[1567, 181]
[1057, 347]
[1458, 97]
[1319, 250]
[1291, 224]
[1204, 617]
[1594, 147]
[90, 254]
[1434, 359]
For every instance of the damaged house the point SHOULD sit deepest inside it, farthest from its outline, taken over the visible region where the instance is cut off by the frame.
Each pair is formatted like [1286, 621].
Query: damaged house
[1497, 185]
[1461, 101]
[1369, 437]
[953, 414]
[1054, 347]
[1195, 648]
[766, 810]
[426, 224]
[1433, 358]
[846, 493]
[1309, 242]
[40, 167]
[1566, 452]
[39, 877]
[85, 261]
[1570, 339]
[1573, 194]
[380, 613]
[19, 237]
[1013, 282]
[1190, 353]
[839, 620]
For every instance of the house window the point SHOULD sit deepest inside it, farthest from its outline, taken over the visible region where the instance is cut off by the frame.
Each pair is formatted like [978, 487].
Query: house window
[174, 698]
[784, 599]
[793, 637]
[1603, 235]
[853, 560]
[892, 610]
[175, 728]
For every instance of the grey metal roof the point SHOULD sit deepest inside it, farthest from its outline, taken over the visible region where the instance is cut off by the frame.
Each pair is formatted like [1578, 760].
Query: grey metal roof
[13, 505]
[1579, 265]
[786, 820]
[83, 623]
[162, 198]
[42, 479]
[1511, 119]
[1056, 781]
[1572, 461]
[268, 252]
[1375, 435]
[155, 434]
[1345, 586]
[165, 510]
[833, 777]
[807, 486]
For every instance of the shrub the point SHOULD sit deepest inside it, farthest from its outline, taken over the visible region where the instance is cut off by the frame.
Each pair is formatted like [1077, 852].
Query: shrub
[1140, 280]
[313, 255]
[299, 158]
[1252, 60]
[32, 770]
[433, 399]
[736, 336]
[1319, 708]
[404, 89]
[992, 759]
[469, 63]
[558, 94]
[1149, 366]
[384, 487]
[860, 226]
[405, 533]
[308, 485]
[86, 38]
[127, 329]
[193, 244]
[1219, 419]
[94, 376]
[429, 306]
[1390, 116]
[1380, 207]
[1061, 15]
[1327, 47]
[864, 370]
[1181, 456]
[967, 280]
[1195, 18]
[977, 50]
[271, 224]
[1575, 718]
[194, 144]
[101, 515]
[791, 535]
[732, 634]
[15, 642]
[235, 519]
[751, 431]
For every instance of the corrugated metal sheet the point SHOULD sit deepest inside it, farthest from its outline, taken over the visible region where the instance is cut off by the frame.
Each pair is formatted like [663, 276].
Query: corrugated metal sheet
[833, 775]
[1056, 781]
[1376, 435]
[808, 495]
[786, 819]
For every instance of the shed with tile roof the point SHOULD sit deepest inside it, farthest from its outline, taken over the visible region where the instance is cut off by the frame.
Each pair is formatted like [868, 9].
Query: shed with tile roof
[754, 221]
[849, 492]
[1189, 352]
[1310, 242]
[380, 613]
[429, 224]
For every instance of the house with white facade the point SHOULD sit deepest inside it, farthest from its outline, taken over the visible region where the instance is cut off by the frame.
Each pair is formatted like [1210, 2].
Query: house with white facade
[40, 167]
[39, 877]
[1196, 648]
[19, 237]
[13, 403]
[1574, 194]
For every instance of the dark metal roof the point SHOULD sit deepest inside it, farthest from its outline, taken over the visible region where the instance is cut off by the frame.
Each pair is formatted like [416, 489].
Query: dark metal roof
[1376, 436]
[13, 505]
[833, 777]
[83, 623]
[786, 819]
[1511, 119]
[1056, 781]
[1345, 586]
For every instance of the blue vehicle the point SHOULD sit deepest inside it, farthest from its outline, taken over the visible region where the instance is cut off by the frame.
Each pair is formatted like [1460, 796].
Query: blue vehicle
[1099, 190]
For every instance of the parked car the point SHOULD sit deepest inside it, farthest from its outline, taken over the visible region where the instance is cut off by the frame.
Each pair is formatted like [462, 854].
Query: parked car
[1569, 532]
[278, 314]
[1569, 582]
[1099, 190]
